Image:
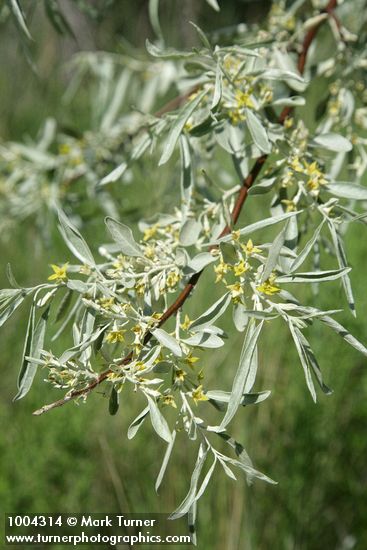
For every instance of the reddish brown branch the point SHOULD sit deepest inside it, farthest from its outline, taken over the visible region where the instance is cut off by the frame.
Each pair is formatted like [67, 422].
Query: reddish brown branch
[240, 201]
[175, 102]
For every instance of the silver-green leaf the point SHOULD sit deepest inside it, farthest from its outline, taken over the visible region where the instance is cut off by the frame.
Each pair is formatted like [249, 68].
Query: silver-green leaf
[123, 236]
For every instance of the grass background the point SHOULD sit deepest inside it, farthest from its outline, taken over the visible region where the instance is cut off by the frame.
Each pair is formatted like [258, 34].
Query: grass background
[77, 458]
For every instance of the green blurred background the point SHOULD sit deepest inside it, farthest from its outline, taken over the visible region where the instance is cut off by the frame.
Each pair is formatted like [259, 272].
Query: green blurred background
[77, 458]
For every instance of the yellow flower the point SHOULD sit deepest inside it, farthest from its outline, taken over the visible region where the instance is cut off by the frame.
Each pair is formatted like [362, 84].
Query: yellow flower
[139, 288]
[172, 279]
[188, 126]
[221, 269]
[64, 148]
[106, 303]
[190, 360]
[180, 376]
[334, 107]
[231, 64]
[268, 287]
[115, 336]
[290, 205]
[288, 123]
[296, 165]
[316, 177]
[290, 23]
[85, 270]
[149, 252]
[120, 262]
[312, 170]
[186, 324]
[236, 291]
[240, 268]
[59, 273]
[156, 316]
[114, 376]
[137, 349]
[168, 400]
[243, 99]
[236, 235]
[236, 116]
[198, 395]
[138, 331]
[266, 93]
[150, 232]
[250, 249]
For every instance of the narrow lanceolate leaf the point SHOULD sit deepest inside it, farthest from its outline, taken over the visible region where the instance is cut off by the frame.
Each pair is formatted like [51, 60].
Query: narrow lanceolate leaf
[306, 250]
[343, 263]
[154, 17]
[185, 505]
[245, 373]
[264, 186]
[273, 256]
[186, 174]
[202, 35]
[344, 333]
[334, 142]
[291, 234]
[33, 346]
[204, 339]
[190, 232]
[11, 304]
[115, 174]
[113, 405]
[17, 13]
[123, 236]
[201, 260]
[293, 101]
[346, 190]
[178, 126]
[211, 314]
[244, 461]
[167, 341]
[260, 225]
[159, 423]
[168, 53]
[217, 96]
[135, 424]
[26, 349]
[206, 480]
[240, 317]
[214, 4]
[247, 398]
[12, 280]
[166, 458]
[258, 132]
[304, 359]
[312, 361]
[254, 398]
[74, 240]
[313, 276]
[191, 522]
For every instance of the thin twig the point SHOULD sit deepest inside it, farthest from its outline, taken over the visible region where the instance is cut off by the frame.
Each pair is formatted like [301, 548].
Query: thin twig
[240, 201]
[176, 102]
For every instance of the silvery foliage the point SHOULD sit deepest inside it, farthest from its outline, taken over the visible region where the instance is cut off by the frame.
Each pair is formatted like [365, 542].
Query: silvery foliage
[112, 301]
